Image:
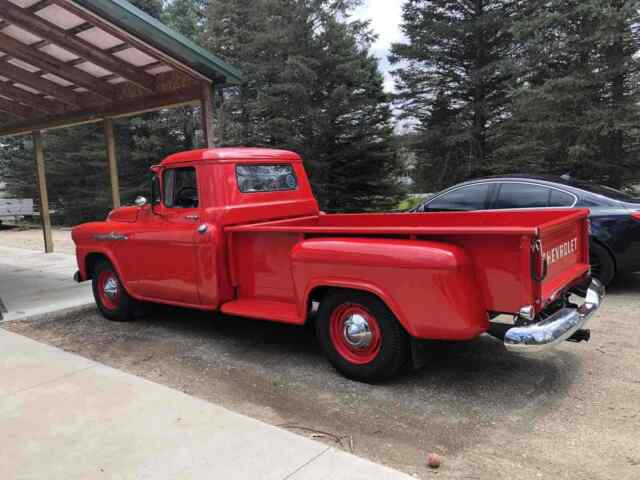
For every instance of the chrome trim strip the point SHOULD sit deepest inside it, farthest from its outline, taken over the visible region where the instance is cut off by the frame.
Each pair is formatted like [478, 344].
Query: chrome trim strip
[557, 327]
[498, 181]
[110, 236]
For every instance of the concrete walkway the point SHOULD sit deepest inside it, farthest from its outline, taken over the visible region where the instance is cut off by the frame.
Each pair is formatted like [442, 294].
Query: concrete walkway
[65, 417]
[35, 283]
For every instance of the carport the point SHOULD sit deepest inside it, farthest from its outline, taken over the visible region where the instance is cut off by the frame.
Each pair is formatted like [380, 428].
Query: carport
[72, 62]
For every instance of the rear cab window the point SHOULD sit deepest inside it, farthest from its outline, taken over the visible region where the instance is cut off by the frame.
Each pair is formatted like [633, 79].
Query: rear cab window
[265, 178]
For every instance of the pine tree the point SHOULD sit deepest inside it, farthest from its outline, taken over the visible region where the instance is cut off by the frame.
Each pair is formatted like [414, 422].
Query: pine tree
[576, 103]
[452, 76]
[310, 86]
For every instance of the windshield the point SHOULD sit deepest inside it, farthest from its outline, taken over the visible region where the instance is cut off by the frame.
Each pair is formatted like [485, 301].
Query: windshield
[607, 192]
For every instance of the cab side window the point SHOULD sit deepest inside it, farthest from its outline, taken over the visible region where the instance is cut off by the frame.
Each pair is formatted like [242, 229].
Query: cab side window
[180, 188]
[155, 190]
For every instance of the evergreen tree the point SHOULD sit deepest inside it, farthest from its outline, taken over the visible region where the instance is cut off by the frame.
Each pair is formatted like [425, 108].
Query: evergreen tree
[452, 77]
[151, 7]
[575, 107]
[310, 86]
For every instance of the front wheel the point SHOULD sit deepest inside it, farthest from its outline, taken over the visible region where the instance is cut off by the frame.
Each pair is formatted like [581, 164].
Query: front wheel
[112, 299]
[361, 337]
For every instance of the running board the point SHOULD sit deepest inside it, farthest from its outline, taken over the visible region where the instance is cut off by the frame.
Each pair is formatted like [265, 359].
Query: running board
[284, 312]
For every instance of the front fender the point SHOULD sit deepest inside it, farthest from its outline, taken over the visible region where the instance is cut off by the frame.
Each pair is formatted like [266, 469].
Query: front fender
[429, 286]
[87, 238]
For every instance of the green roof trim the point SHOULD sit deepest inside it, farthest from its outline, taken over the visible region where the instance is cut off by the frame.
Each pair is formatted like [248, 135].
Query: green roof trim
[153, 32]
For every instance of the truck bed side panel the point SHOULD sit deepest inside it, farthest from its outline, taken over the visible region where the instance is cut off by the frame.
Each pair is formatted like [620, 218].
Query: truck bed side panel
[429, 286]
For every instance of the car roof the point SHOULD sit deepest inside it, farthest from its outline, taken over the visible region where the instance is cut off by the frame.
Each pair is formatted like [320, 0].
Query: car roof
[574, 185]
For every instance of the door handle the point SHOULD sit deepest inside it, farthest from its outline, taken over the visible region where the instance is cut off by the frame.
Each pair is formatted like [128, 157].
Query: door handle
[202, 228]
[192, 217]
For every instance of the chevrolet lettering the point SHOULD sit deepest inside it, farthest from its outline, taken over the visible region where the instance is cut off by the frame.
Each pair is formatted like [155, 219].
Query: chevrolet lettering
[559, 252]
[238, 230]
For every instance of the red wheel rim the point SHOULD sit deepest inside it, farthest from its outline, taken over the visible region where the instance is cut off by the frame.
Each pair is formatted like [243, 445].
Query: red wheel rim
[355, 333]
[109, 289]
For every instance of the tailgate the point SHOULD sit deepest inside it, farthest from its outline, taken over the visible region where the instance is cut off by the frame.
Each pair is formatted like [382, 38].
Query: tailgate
[564, 253]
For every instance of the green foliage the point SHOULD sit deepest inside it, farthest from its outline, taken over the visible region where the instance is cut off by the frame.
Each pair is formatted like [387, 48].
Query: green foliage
[452, 77]
[539, 86]
[575, 107]
[311, 86]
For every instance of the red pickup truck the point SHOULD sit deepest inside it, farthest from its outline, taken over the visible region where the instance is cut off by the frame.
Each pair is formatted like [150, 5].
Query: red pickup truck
[238, 230]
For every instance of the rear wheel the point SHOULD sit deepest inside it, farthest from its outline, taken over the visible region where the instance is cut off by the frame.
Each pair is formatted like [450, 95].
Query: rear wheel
[360, 336]
[112, 299]
[602, 265]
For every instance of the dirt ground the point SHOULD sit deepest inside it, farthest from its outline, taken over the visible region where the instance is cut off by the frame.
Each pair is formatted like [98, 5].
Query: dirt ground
[572, 413]
[32, 239]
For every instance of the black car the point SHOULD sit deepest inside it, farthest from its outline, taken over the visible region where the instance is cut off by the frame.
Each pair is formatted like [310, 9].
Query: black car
[615, 215]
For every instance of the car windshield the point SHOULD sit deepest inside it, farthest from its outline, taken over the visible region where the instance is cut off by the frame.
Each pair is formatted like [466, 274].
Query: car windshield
[606, 191]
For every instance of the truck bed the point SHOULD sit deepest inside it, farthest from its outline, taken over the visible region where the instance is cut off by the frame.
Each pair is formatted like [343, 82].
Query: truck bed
[498, 242]
[521, 222]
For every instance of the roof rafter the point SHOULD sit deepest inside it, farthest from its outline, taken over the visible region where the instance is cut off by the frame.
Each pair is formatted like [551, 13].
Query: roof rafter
[36, 7]
[19, 75]
[185, 96]
[50, 64]
[131, 42]
[15, 109]
[43, 29]
[37, 102]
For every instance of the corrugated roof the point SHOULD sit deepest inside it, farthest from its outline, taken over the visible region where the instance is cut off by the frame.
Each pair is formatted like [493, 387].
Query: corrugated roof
[126, 16]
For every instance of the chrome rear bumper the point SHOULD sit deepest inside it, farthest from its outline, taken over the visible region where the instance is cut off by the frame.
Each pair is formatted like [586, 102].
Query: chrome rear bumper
[556, 328]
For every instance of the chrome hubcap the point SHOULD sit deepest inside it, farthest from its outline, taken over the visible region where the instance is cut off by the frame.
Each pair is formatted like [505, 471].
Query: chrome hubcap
[111, 288]
[357, 332]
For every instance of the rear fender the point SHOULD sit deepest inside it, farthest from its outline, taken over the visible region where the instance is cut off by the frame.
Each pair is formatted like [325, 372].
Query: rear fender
[350, 284]
[429, 286]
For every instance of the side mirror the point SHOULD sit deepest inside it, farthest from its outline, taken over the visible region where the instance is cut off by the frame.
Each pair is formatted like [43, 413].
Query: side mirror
[140, 201]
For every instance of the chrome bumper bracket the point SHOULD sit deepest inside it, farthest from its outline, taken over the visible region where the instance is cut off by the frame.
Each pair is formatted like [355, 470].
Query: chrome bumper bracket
[556, 328]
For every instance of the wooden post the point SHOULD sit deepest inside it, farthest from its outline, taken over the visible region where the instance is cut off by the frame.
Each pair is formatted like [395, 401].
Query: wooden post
[206, 102]
[42, 189]
[221, 121]
[113, 161]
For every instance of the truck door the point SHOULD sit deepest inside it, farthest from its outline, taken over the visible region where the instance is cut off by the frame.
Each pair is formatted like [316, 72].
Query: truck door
[168, 268]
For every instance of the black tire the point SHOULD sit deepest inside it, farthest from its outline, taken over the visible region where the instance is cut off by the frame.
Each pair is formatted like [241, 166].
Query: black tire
[387, 360]
[603, 266]
[120, 308]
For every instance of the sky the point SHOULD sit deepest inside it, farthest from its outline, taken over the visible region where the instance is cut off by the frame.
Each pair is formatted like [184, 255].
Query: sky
[385, 17]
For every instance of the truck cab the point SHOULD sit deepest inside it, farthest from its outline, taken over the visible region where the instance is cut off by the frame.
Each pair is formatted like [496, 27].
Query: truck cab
[238, 230]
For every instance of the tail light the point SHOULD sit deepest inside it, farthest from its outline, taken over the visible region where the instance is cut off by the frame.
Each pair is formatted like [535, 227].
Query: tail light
[636, 215]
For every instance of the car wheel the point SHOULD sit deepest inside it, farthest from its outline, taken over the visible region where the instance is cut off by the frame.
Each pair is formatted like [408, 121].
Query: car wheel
[112, 299]
[602, 265]
[361, 337]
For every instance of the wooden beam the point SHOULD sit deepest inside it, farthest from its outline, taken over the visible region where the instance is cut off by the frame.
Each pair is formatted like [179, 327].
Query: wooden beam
[129, 41]
[123, 108]
[206, 110]
[41, 177]
[17, 110]
[37, 102]
[43, 29]
[113, 161]
[117, 48]
[36, 7]
[83, 27]
[20, 75]
[49, 64]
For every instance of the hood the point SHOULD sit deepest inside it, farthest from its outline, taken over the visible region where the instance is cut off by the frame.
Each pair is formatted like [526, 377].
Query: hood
[124, 214]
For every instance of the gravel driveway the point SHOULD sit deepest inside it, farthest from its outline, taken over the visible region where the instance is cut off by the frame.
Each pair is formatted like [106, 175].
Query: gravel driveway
[570, 413]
